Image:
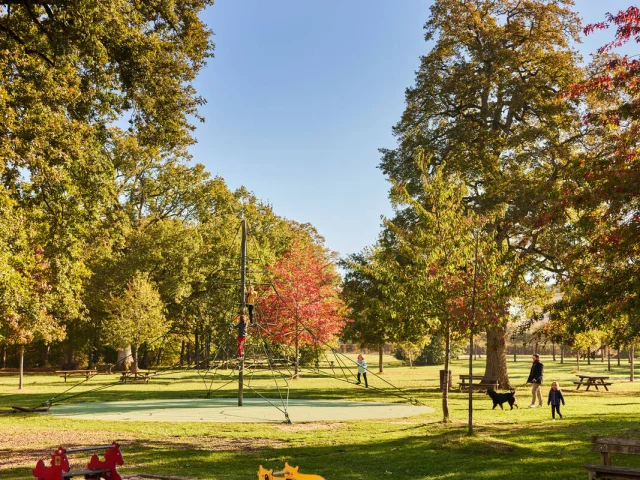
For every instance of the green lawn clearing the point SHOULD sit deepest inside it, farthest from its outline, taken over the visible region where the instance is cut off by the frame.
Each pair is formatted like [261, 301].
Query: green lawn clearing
[518, 444]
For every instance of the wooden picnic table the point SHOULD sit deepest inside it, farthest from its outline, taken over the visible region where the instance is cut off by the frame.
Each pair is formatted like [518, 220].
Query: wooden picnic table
[76, 373]
[491, 382]
[592, 380]
[138, 376]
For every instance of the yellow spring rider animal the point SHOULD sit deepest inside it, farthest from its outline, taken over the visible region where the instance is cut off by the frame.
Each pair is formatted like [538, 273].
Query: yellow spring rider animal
[289, 472]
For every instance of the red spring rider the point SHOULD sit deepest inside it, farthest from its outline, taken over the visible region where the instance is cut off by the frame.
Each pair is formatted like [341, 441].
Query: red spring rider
[112, 458]
[59, 464]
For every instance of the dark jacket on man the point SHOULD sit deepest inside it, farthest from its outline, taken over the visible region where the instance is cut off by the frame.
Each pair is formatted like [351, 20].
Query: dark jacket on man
[537, 371]
[555, 397]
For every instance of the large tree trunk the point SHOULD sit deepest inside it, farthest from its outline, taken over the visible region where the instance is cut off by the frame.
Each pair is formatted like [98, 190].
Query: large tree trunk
[445, 390]
[124, 358]
[158, 359]
[380, 352]
[45, 354]
[20, 381]
[497, 356]
[134, 354]
[182, 348]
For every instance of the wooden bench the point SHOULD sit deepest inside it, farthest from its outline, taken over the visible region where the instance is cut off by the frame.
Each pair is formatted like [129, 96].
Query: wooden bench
[138, 377]
[484, 383]
[606, 446]
[76, 373]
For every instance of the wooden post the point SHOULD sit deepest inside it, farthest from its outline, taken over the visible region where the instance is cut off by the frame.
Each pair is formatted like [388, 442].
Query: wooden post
[197, 348]
[608, 358]
[602, 354]
[473, 322]
[243, 280]
[632, 354]
[561, 353]
[381, 363]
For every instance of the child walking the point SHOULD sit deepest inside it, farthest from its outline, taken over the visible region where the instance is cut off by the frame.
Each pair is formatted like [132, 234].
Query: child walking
[362, 370]
[555, 397]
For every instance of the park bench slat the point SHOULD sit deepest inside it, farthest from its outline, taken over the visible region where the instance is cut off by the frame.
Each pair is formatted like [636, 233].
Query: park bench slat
[631, 442]
[612, 472]
[626, 449]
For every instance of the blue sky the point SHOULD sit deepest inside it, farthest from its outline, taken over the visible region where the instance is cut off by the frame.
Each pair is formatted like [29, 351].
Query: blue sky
[302, 93]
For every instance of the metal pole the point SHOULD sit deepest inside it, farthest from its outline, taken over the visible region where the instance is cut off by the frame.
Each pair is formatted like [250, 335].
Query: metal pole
[90, 449]
[243, 279]
[473, 321]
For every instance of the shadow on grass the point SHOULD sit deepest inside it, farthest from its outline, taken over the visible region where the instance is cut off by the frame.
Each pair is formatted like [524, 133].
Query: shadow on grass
[434, 452]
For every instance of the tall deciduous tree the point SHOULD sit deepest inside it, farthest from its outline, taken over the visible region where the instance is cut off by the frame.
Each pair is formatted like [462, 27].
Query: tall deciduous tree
[448, 287]
[136, 316]
[305, 308]
[368, 292]
[68, 72]
[485, 106]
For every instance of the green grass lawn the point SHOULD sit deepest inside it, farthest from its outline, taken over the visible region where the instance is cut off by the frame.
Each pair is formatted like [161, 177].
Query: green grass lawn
[518, 444]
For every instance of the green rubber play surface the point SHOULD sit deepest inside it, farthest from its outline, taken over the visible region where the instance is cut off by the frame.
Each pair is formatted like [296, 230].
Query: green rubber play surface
[227, 410]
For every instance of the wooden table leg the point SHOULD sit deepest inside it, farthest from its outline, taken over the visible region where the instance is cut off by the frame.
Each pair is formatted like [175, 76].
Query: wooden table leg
[588, 385]
[604, 385]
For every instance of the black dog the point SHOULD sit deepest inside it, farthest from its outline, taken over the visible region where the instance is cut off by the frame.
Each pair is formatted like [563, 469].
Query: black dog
[500, 398]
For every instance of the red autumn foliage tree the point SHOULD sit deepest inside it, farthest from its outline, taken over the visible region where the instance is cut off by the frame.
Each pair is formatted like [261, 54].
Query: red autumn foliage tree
[604, 200]
[305, 308]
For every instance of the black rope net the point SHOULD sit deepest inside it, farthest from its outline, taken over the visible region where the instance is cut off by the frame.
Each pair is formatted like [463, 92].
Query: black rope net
[267, 365]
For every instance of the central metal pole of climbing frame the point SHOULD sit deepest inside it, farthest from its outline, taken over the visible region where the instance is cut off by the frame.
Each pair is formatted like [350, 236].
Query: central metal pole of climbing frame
[243, 285]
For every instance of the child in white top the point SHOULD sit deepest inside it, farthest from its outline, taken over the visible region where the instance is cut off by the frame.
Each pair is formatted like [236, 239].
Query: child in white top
[362, 370]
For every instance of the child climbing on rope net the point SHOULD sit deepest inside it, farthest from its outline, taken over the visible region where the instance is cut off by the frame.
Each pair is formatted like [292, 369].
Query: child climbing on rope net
[241, 326]
[251, 301]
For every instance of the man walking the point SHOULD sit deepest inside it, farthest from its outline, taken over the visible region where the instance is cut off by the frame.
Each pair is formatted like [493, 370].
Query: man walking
[535, 379]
